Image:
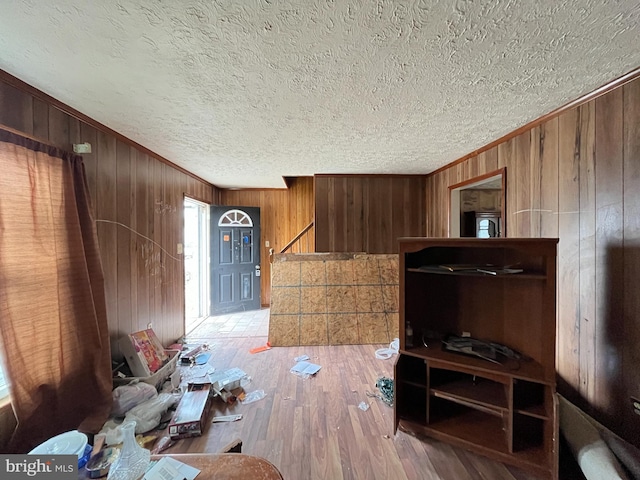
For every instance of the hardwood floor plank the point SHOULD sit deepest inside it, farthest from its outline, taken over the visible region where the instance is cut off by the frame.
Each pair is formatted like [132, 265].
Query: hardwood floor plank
[313, 429]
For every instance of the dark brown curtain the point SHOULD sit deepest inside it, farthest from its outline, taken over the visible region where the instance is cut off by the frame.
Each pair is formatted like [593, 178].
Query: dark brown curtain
[53, 319]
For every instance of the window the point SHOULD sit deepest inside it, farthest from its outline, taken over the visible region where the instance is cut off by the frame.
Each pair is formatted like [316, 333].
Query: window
[4, 387]
[235, 218]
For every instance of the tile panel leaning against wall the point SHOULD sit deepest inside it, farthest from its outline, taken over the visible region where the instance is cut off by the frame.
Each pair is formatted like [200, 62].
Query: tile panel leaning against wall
[334, 299]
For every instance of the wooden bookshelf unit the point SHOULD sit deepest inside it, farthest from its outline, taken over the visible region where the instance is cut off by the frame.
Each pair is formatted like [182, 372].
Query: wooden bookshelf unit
[494, 292]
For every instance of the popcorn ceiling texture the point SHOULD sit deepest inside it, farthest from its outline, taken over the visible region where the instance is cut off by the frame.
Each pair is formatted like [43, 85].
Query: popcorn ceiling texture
[242, 93]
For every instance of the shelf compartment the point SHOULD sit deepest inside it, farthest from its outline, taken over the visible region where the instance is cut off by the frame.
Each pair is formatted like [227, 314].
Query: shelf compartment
[529, 398]
[411, 402]
[528, 432]
[412, 370]
[468, 424]
[470, 390]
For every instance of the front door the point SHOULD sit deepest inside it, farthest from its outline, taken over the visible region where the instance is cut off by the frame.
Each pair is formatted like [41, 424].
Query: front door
[235, 259]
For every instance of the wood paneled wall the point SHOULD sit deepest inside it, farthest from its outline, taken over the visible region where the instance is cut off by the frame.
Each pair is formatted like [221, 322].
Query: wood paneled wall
[577, 177]
[283, 214]
[138, 206]
[367, 213]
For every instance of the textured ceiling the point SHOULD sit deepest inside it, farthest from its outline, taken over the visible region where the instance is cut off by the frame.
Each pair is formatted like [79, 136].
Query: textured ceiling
[242, 93]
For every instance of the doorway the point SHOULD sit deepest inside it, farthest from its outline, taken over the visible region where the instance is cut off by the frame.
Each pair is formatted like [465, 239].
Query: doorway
[235, 259]
[196, 262]
[477, 206]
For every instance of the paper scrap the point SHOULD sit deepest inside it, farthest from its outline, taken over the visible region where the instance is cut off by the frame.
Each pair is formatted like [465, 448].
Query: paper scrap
[305, 369]
[227, 418]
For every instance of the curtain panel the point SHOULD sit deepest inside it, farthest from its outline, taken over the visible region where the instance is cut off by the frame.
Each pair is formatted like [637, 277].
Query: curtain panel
[53, 319]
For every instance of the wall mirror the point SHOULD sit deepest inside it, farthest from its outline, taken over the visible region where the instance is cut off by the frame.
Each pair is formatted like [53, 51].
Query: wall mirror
[477, 206]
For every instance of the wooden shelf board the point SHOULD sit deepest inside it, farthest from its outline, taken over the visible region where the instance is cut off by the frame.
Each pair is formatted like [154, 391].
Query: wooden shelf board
[537, 411]
[485, 392]
[473, 273]
[473, 427]
[490, 442]
[412, 383]
[527, 369]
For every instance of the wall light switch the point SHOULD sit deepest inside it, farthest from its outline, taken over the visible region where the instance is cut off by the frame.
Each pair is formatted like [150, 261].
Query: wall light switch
[179, 249]
[266, 243]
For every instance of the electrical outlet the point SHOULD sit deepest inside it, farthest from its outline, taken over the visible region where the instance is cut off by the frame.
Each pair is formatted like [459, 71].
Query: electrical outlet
[149, 325]
[635, 402]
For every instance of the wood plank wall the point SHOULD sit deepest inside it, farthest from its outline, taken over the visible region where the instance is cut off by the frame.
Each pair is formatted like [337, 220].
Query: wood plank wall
[577, 177]
[283, 214]
[137, 201]
[367, 213]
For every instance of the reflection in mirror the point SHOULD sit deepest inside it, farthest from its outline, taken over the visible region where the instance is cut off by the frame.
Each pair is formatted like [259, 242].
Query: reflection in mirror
[477, 206]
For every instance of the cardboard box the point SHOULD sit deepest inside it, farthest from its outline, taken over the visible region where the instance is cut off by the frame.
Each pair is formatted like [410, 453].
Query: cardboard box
[227, 380]
[190, 417]
[156, 379]
[144, 352]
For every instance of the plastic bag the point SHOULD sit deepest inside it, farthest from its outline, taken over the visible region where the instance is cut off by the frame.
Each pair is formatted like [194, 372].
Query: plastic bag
[112, 433]
[253, 397]
[386, 353]
[126, 397]
[147, 415]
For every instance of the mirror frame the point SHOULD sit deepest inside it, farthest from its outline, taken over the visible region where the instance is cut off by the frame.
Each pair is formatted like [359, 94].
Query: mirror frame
[479, 180]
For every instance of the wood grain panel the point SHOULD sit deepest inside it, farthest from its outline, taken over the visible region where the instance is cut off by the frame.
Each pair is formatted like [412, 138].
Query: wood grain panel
[609, 266]
[521, 212]
[123, 236]
[40, 119]
[587, 249]
[367, 213]
[546, 180]
[535, 178]
[631, 252]
[568, 340]
[17, 109]
[79, 133]
[59, 129]
[507, 159]
[106, 216]
[143, 207]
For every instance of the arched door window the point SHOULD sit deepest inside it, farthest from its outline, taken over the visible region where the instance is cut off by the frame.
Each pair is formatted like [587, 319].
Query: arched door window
[235, 218]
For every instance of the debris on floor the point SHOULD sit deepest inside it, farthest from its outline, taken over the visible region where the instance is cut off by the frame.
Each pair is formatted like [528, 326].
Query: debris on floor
[266, 346]
[385, 385]
[227, 418]
[253, 397]
[387, 353]
[305, 369]
[195, 355]
[364, 406]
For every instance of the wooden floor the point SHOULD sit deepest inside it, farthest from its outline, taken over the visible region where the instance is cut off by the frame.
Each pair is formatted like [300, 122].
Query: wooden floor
[313, 429]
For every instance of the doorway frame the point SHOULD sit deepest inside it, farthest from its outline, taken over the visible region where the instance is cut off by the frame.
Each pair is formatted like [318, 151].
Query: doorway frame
[204, 246]
[453, 221]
